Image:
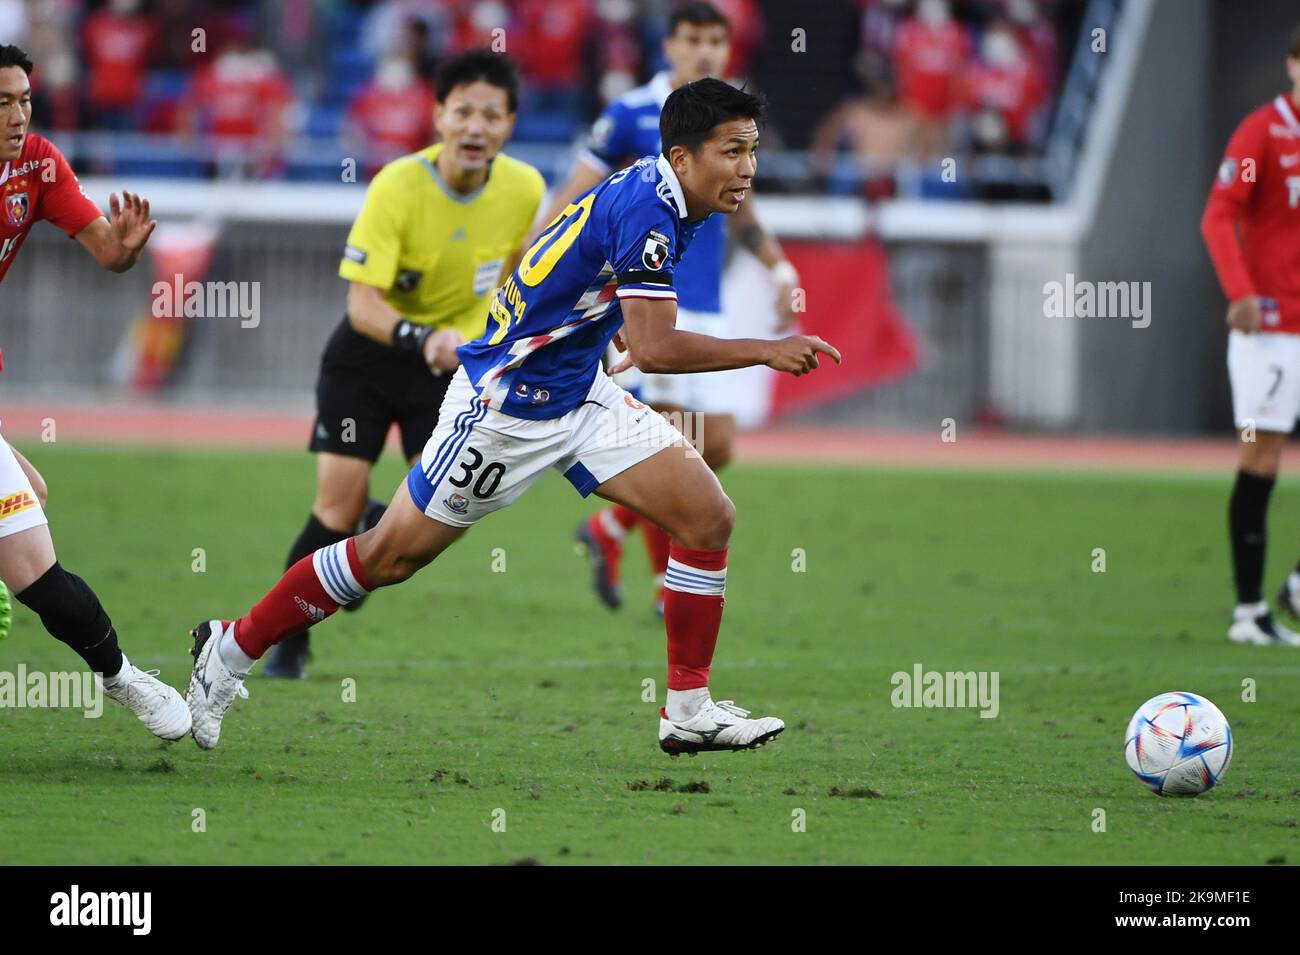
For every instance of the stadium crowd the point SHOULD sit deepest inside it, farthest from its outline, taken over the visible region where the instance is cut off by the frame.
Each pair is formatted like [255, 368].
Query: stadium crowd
[929, 76]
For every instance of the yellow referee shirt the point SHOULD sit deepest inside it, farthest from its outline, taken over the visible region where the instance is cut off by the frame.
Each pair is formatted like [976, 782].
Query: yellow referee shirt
[438, 254]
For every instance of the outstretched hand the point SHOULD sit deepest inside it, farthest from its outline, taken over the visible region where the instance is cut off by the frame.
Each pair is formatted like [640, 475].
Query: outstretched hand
[130, 220]
[797, 355]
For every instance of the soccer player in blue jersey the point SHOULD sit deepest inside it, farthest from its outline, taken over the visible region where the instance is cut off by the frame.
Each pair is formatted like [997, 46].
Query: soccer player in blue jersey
[697, 45]
[531, 395]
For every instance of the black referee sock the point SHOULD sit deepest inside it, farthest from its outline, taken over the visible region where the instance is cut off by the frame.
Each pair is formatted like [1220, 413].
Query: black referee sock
[71, 612]
[1247, 526]
[314, 536]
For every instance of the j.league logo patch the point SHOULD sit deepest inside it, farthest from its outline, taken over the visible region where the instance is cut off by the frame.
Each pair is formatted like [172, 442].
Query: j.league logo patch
[655, 253]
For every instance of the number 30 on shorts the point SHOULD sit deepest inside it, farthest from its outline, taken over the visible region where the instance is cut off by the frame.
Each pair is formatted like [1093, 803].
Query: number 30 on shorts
[488, 480]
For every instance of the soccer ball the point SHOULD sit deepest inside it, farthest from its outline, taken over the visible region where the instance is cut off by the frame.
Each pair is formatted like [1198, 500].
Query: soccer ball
[1178, 744]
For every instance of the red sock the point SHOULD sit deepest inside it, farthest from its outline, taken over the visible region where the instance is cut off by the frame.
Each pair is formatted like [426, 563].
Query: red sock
[656, 545]
[693, 597]
[309, 591]
[626, 517]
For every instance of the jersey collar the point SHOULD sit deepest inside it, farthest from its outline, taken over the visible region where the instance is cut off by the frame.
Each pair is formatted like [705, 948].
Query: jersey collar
[670, 178]
[1283, 105]
[432, 166]
[661, 86]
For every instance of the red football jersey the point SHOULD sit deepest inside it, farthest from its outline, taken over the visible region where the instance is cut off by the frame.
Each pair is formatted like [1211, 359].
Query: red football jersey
[1258, 187]
[929, 61]
[398, 120]
[39, 184]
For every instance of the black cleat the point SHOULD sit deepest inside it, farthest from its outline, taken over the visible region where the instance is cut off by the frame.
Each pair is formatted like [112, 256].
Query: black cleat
[288, 658]
[610, 593]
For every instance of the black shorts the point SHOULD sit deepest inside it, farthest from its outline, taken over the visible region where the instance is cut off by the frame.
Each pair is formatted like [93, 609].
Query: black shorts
[364, 388]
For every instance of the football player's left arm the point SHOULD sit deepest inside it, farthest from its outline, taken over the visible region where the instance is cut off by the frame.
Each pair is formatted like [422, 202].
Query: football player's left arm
[749, 232]
[655, 345]
[116, 243]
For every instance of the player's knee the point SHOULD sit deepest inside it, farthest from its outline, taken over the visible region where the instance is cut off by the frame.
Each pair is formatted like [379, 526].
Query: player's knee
[712, 529]
[1263, 456]
[384, 561]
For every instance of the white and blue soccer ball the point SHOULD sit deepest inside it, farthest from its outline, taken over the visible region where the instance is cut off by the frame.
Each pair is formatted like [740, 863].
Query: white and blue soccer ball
[1178, 744]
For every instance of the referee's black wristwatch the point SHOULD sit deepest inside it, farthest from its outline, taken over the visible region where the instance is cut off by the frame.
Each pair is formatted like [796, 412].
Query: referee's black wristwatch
[409, 337]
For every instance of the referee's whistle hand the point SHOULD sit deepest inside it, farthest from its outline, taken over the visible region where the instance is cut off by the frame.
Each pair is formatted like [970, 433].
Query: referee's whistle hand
[440, 350]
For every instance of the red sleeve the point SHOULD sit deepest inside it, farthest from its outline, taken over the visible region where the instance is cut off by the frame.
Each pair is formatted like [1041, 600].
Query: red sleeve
[1234, 185]
[62, 201]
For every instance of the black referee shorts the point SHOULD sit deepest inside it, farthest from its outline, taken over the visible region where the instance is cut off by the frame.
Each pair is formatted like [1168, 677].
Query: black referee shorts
[364, 388]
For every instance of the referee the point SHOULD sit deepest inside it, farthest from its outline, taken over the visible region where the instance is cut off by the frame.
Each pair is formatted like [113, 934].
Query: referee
[437, 233]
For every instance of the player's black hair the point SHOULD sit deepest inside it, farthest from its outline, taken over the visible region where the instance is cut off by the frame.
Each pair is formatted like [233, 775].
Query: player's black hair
[1293, 49]
[697, 15]
[12, 56]
[474, 65]
[693, 110]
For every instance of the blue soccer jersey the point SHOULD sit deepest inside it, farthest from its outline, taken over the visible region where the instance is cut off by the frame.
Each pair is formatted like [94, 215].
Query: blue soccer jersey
[550, 323]
[629, 129]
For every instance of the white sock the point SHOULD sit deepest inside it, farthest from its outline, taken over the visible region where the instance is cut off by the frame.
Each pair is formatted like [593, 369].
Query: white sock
[1250, 611]
[121, 674]
[232, 654]
[1293, 582]
[611, 527]
[683, 704]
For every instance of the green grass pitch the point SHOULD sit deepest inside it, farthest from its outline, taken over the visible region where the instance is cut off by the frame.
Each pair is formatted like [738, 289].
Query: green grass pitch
[479, 691]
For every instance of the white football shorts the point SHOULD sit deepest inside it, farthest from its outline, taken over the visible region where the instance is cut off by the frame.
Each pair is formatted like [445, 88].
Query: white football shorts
[19, 507]
[1264, 370]
[479, 460]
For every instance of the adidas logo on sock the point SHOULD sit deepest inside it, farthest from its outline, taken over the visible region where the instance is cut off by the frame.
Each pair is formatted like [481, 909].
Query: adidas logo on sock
[314, 613]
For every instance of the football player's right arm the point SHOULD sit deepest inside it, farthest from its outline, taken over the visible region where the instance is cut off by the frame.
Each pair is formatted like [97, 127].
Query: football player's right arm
[656, 346]
[1229, 197]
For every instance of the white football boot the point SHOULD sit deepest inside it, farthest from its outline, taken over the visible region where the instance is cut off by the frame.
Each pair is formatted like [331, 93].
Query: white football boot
[213, 685]
[1288, 598]
[157, 705]
[1260, 629]
[716, 727]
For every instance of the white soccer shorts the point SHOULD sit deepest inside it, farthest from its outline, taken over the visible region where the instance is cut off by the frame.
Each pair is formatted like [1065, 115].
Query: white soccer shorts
[479, 460]
[1264, 370]
[19, 508]
[704, 391]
